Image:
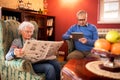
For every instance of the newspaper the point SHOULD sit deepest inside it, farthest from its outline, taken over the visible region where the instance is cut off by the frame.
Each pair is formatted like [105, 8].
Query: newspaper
[36, 50]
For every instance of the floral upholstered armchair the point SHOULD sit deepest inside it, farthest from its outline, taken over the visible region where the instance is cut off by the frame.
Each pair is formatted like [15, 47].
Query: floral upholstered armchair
[16, 69]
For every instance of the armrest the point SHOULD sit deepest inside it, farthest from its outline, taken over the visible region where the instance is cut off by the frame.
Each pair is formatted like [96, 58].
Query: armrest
[70, 44]
[20, 64]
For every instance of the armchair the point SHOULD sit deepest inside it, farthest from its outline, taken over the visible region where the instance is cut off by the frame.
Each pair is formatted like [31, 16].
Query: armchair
[71, 47]
[17, 69]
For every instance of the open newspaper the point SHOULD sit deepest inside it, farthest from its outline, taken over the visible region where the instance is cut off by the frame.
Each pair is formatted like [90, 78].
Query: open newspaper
[36, 50]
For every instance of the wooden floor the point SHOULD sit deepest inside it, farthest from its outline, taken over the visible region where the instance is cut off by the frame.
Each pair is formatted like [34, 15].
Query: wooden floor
[61, 58]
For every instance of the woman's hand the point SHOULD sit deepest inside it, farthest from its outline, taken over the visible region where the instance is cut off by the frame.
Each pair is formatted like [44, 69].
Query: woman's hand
[18, 52]
[83, 40]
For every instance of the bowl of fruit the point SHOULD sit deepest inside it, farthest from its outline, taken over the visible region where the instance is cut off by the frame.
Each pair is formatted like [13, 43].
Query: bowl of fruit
[109, 47]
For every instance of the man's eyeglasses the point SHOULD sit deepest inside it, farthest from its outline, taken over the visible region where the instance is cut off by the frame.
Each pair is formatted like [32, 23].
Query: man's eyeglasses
[81, 19]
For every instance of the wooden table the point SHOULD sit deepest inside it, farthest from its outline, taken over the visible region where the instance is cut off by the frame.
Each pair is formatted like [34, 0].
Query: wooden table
[75, 69]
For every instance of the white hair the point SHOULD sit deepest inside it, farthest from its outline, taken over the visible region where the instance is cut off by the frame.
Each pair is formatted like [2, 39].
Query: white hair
[25, 24]
[81, 12]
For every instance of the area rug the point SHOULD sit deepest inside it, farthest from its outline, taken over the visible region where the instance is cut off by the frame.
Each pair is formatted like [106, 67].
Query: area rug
[94, 68]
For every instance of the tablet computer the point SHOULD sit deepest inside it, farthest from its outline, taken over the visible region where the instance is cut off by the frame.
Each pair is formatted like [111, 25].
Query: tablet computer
[77, 35]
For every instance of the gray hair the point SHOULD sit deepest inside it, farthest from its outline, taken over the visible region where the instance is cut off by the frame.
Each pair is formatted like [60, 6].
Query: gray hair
[81, 12]
[25, 24]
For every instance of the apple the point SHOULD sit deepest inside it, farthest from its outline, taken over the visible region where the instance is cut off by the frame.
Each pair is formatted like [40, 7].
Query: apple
[113, 36]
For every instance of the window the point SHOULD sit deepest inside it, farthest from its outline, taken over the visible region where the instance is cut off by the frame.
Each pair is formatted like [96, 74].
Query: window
[109, 11]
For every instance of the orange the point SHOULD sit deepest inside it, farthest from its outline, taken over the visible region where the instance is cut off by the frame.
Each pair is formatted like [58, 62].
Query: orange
[102, 44]
[115, 48]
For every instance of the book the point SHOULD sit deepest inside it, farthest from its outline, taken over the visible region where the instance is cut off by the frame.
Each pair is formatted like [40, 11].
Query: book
[77, 35]
[50, 22]
[37, 50]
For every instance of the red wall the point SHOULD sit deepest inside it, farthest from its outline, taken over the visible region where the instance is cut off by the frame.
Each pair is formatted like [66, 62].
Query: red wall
[65, 14]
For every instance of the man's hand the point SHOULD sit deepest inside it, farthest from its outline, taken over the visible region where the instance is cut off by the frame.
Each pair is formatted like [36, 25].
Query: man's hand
[71, 36]
[83, 40]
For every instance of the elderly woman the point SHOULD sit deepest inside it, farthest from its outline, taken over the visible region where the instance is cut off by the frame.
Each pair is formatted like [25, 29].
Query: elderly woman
[51, 68]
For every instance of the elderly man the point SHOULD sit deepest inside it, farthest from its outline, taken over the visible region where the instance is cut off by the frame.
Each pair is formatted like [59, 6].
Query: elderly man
[83, 45]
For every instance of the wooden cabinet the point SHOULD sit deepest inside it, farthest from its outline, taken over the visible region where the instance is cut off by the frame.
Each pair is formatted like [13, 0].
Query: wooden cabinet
[6, 14]
[46, 23]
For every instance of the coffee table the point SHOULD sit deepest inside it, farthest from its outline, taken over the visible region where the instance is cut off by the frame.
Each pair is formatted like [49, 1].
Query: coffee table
[75, 69]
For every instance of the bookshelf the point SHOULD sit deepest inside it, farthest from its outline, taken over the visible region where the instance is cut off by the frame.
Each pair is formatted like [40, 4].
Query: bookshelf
[51, 28]
[46, 23]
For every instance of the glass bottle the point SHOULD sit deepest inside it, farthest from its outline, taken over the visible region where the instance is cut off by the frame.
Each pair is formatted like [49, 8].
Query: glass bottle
[20, 4]
[45, 6]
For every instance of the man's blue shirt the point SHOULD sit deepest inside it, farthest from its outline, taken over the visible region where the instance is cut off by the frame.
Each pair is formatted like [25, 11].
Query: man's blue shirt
[90, 33]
